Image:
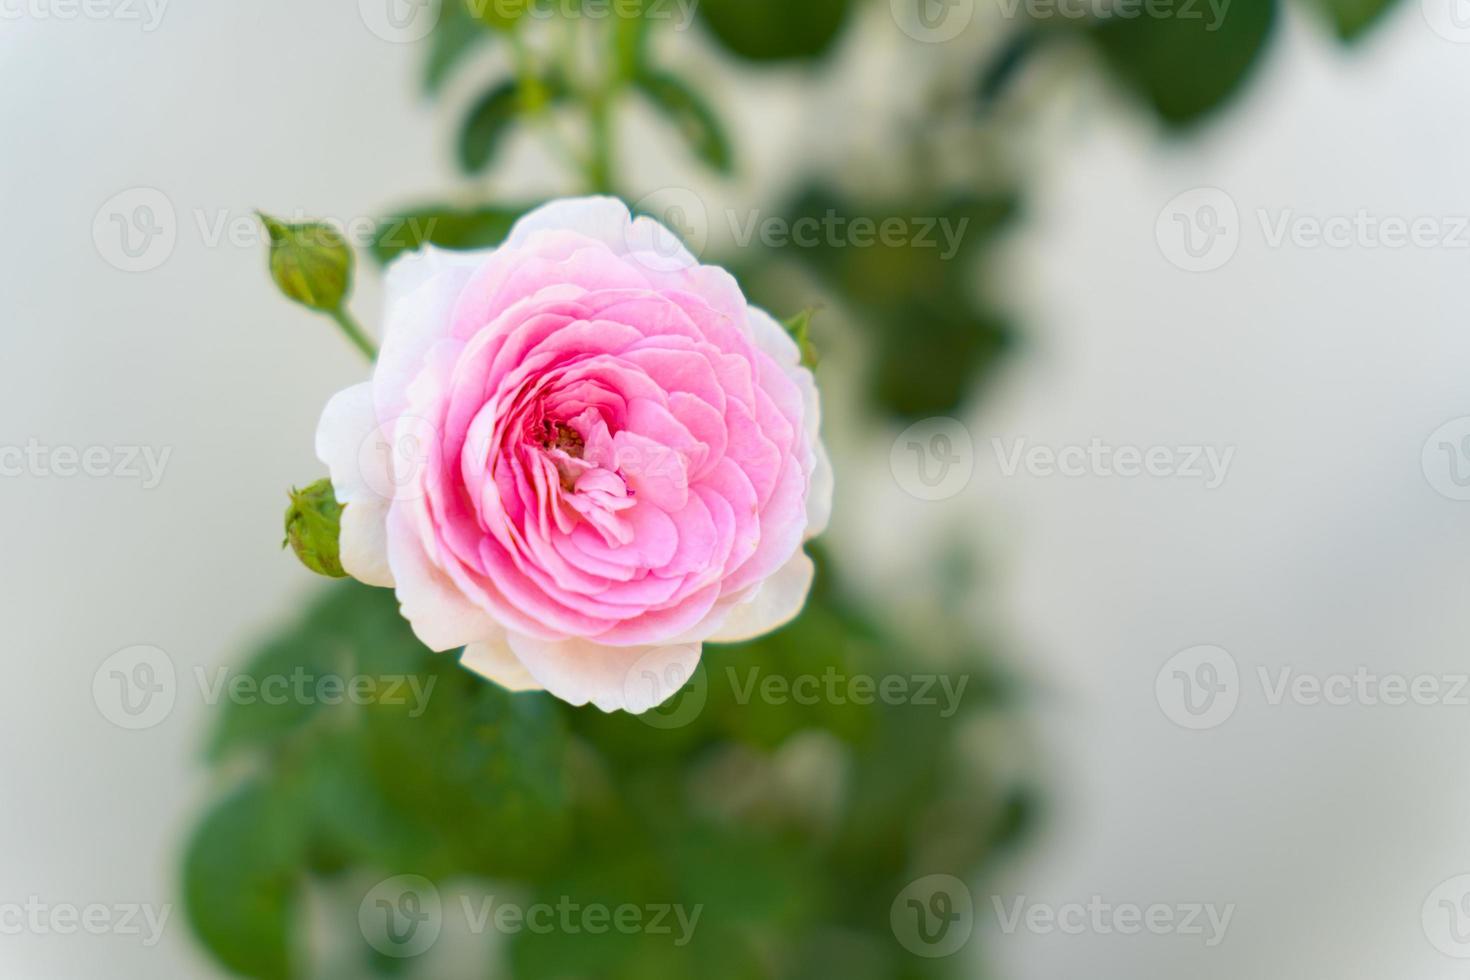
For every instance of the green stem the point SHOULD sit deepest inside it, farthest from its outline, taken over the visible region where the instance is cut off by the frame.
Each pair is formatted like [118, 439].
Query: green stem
[354, 332]
[599, 164]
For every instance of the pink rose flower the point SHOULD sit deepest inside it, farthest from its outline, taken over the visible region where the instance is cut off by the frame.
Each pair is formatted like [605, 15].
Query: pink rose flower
[581, 456]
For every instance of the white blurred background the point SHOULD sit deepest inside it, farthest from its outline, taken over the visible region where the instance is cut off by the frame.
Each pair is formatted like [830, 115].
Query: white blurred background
[1327, 548]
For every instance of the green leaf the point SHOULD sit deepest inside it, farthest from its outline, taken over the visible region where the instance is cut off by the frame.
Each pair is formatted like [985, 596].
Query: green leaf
[314, 526]
[776, 30]
[1187, 67]
[692, 116]
[311, 263]
[489, 122]
[327, 639]
[630, 41]
[444, 226]
[241, 879]
[799, 327]
[482, 768]
[353, 823]
[1352, 18]
[492, 117]
[914, 296]
[455, 36]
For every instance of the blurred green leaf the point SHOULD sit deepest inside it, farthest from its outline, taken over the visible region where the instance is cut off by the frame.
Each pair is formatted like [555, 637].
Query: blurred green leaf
[241, 876]
[1352, 18]
[455, 35]
[444, 226]
[487, 125]
[776, 30]
[483, 769]
[503, 15]
[325, 640]
[913, 293]
[800, 328]
[491, 119]
[1187, 66]
[352, 822]
[692, 116]
[630, 40]
[1002, 68]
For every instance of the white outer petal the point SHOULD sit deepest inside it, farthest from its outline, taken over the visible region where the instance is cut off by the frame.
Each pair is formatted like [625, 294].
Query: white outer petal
[605, 219]
[493, 660]
[821, 481]
[441, 617]
[345, 425]
[632, 679]
[420, 292]
[363, 543]
[777, 602]
[772, 338]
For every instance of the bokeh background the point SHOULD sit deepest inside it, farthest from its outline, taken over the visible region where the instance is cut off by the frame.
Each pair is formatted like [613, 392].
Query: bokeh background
[1074, 313]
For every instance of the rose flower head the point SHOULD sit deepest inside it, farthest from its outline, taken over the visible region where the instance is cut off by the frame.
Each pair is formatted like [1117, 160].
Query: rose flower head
[581, 456]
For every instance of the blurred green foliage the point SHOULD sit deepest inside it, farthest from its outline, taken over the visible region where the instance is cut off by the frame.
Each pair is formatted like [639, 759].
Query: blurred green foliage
[776, 30]
[698, 803]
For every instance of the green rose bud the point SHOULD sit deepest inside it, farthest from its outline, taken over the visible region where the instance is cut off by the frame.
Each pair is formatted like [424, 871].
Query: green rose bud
[311, 263]
[313, 526]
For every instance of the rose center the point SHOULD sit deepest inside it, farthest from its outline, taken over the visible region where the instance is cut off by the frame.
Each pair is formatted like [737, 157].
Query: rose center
[559, 435]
